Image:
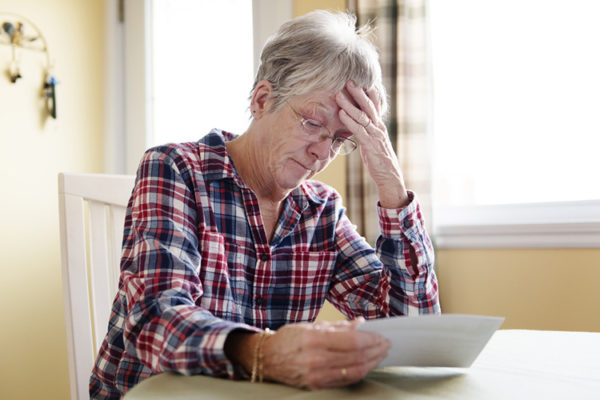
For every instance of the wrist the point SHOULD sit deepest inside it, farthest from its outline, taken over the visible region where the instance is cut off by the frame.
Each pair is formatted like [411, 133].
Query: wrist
[239, 347]
[393, 199]
[245, 350]
[392, 193]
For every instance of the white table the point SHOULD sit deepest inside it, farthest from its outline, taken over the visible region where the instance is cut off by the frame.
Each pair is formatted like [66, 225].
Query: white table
[516, 364]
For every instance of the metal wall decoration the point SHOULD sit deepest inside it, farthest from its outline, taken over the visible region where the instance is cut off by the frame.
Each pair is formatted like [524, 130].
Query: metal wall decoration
[20, 34]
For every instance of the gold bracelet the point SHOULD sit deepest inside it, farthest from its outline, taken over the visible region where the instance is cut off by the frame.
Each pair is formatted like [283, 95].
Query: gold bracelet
[257, 365]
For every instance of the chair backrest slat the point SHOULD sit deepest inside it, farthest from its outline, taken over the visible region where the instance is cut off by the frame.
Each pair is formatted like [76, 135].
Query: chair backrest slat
[117, 218]
[99, 267]
[87, 312]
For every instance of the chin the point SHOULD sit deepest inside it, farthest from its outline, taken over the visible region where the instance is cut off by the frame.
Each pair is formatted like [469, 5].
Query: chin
[290, 183]
[289, 176]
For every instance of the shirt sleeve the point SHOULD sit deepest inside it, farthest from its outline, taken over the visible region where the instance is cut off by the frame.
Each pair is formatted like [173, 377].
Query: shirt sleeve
[385, 281]
[165, 328]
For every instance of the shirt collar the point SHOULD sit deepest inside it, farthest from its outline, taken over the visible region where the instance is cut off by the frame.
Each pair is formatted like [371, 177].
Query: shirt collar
[215, 163]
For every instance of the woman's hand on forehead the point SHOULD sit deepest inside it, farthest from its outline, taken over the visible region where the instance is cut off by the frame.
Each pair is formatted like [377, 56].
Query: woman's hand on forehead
[359, 109]
[360, 112]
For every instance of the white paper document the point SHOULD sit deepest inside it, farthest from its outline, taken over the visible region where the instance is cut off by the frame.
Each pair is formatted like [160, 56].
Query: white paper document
[447, 340]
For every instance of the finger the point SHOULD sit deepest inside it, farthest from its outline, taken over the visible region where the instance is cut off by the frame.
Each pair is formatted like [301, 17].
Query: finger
[356, 372]
[341, 324]
[346, 340]
[326, 359]
[332, 325]
[358, 130]
[365, 103]
[355, 112]
[357, 321]
[335, 375]
[374, 96]
[339, 359]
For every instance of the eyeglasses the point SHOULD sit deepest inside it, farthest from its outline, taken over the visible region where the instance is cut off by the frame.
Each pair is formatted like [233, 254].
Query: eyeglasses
[339, 144]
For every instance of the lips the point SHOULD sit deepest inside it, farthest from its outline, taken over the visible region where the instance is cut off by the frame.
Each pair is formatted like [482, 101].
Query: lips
[303, 165]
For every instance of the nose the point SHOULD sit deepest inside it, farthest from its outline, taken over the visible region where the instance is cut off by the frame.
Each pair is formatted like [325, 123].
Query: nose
[321, 149]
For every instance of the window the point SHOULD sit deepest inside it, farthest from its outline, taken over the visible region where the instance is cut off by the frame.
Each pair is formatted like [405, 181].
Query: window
[202, 67]
[516, 100]
[174, 69]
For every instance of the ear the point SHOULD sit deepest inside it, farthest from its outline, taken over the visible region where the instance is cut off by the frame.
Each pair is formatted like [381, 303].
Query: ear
[261, 99]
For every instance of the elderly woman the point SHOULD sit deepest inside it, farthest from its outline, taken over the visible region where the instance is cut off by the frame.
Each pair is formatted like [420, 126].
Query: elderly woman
[230, 250]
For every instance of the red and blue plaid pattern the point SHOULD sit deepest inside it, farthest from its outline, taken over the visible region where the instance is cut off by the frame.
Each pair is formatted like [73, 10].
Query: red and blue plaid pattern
[197, 264]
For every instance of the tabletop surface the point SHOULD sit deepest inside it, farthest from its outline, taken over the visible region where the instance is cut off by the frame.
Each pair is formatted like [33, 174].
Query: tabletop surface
[515, 364]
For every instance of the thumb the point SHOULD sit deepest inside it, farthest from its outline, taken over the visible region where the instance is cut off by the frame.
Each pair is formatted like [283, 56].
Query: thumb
[357, 321]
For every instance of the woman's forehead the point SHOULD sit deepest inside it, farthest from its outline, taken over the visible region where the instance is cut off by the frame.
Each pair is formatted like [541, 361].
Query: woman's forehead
[323, 100]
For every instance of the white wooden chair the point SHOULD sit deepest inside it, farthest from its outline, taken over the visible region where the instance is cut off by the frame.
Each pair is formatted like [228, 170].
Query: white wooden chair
[92, 211]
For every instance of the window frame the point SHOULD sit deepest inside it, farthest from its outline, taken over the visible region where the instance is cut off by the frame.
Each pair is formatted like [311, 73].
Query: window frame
[569, 224]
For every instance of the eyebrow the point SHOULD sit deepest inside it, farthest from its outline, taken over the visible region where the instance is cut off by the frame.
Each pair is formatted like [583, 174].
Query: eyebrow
[315, 107]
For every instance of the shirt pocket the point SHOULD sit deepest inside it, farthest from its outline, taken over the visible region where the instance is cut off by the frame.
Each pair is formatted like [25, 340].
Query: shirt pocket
[300, 283]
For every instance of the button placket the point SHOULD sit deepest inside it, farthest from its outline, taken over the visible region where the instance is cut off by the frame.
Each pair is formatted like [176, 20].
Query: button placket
[262, 278]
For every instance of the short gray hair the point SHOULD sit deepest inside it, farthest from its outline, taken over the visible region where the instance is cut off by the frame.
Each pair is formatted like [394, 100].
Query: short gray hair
[321, 50]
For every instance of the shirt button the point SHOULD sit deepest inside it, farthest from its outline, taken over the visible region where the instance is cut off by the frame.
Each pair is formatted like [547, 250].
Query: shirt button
[407, 223]
[259, 300]
[264, 257]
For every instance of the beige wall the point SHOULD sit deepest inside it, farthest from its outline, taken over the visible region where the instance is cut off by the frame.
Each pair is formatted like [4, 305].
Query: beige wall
[33, 361]
[301, 7]
[555, 289]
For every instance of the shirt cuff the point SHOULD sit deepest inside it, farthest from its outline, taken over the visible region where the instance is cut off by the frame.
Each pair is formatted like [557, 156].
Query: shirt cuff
[396, 222]
[215, 353]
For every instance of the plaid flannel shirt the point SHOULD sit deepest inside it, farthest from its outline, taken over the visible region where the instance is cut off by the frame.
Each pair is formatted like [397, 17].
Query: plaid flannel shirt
[197, 264]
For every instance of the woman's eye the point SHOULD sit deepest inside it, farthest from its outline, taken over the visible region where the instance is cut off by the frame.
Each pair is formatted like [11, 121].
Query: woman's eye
[312, 126]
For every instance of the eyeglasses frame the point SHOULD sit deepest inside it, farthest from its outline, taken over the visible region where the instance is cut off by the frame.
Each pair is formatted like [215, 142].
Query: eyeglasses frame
[341, 140]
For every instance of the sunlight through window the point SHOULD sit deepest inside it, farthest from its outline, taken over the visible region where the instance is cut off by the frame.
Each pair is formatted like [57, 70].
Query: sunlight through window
[202, 67]
[516, 101]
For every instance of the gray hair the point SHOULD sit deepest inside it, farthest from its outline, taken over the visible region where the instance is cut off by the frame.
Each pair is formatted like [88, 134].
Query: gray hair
[320, 51]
